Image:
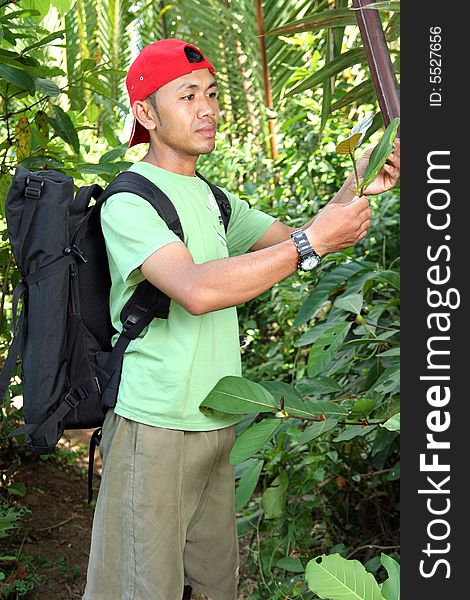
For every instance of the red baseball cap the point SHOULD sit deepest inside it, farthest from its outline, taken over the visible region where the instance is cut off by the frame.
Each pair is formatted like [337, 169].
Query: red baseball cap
[158, 64]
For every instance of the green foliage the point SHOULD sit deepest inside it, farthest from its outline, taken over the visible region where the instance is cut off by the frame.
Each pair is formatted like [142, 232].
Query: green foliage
[380, 154]
[317, 454]
[9, 517]
[335, 578]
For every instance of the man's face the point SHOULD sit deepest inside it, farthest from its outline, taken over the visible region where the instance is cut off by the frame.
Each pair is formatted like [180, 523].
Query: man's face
[187, 114]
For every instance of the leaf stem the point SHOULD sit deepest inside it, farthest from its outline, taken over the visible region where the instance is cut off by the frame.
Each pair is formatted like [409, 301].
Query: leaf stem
[358, 189]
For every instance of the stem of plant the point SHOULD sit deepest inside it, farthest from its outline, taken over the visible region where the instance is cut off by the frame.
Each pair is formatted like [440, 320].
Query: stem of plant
[358, 189]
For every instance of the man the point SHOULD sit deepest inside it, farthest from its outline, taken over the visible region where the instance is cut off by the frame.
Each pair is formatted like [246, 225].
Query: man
[165, 515]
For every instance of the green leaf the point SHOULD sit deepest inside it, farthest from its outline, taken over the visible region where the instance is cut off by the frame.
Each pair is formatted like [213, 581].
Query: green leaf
[362, 408]
[253, 439]
[113, 154]
[327, 408]
[65, 128]
[316, 429]
[394, 472]
[391, 277]
[17, 13]
[318, 386]
[336, 578]
[328, 283]
[380, 153]
[391, 587]
[357, 95]
[280, 389]
[62, 6]
[273, 501]
[387, 6]
[17, 489]
[351, 303]
[354, 431]
[337, 65]
[41, 6]
[323, 350]
[247, 484]
[249, 523]
[290, 564]
[17, 77]
[238, 396]
[46, 86]
[389, 381]
[45, 41]
[318, 20]
[98, 169]
[393, 424]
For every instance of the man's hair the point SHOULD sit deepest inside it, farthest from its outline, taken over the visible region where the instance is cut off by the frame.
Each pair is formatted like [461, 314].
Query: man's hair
[193, 56]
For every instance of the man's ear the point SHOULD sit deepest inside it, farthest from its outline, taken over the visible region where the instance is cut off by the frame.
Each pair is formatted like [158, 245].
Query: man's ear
[143, 113]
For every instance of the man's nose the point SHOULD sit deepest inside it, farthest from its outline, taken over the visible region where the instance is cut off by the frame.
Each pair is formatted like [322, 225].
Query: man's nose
[207, 107]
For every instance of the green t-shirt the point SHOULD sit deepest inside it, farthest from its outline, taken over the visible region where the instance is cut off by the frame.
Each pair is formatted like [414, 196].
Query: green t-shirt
[173, 365]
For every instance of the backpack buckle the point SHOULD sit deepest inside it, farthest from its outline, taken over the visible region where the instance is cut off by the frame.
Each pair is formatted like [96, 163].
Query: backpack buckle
[33, 187]
[75, 396]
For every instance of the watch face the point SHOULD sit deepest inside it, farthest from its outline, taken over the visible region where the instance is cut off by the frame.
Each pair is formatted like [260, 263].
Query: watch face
[309, 263]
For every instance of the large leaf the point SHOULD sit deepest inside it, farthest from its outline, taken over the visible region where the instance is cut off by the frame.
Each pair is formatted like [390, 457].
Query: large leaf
[393, 424]
[316, 429]
[238, 396]
[247, 484]
[327, 408]
[45, 41]
[337, 65]
[323, 350]
[65, 128]
[389, 381]
[380, 153]
[273, 501]
[336, 578]
[319, 20]
[391, 587]
[290, 564]
[328, 283]
[18, 77]
[253, 439]
[357, 94]
[354, 431]
[351, 303]
[317, 386]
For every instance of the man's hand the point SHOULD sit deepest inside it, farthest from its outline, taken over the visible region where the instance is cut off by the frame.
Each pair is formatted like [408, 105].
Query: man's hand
[338, 226]
[389, 174]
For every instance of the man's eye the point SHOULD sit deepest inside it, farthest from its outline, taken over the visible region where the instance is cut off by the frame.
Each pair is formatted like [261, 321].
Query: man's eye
[188, 97]
[212, 95]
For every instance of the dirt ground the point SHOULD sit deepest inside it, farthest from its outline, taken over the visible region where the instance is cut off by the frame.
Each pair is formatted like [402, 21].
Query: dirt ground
[57, 530]
[55, 534]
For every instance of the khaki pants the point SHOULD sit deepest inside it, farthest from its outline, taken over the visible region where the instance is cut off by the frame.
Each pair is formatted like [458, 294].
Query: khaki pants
[164, 516]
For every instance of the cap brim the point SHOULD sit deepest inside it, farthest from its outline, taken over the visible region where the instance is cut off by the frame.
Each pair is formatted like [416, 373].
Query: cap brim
[139, 135]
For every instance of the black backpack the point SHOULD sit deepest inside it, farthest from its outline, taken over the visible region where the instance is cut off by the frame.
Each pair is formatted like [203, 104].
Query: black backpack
[69, 370]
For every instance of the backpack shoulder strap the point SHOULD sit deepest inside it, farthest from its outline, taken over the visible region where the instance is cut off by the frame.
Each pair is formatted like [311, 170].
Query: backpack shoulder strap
[222, 201]
[147, 302]
[134, 183]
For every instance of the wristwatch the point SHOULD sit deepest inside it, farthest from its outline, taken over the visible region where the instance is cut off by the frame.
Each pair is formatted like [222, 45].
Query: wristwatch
[308, 258]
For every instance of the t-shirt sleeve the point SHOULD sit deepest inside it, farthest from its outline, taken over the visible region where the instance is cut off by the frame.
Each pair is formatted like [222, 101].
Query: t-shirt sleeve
[246, 226]
[133, 230]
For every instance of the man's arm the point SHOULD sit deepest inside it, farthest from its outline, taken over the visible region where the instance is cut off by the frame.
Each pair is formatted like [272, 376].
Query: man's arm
[218, 284]
[385, 180]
